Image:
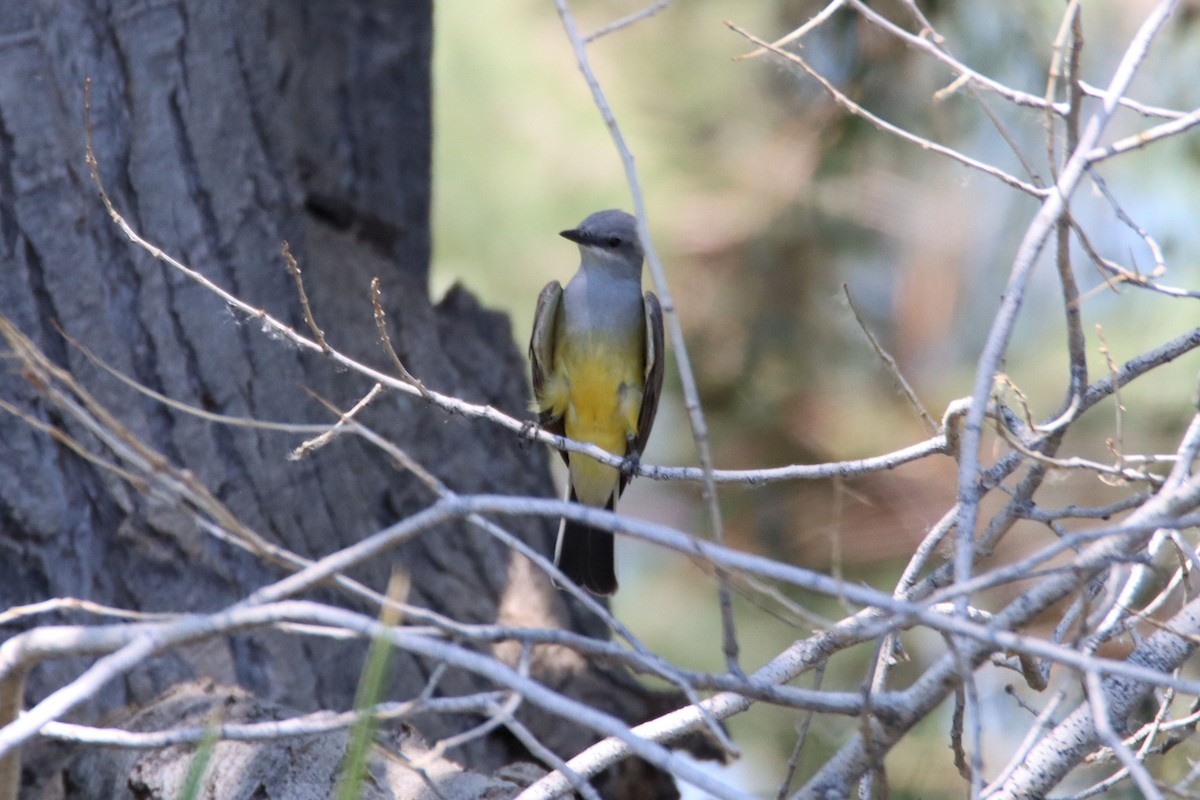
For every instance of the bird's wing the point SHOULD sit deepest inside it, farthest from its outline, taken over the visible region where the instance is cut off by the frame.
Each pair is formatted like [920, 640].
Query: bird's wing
[655, 363]
[541, 350]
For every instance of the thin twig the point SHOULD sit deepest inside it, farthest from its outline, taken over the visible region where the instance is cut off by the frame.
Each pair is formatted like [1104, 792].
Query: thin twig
[294, 270]
[626, 21]
[687, 378]
[317, 723]
[891, 365]
[801, 736]
[1149, 136]
[854, 108]
[925, 45]
[310, 446]
[381, 327]
[816, 21]
[1160, 264]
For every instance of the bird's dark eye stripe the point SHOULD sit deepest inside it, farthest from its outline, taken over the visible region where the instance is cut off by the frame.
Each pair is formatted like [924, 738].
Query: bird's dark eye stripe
[614, 241]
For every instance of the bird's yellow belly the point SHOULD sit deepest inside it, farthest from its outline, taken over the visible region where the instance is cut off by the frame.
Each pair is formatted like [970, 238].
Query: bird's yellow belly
[601, 390]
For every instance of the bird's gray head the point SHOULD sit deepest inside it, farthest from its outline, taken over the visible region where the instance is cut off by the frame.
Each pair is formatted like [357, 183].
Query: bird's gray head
[609, 239]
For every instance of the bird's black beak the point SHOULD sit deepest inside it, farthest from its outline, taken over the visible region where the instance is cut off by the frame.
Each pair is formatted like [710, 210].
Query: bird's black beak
[575, 235]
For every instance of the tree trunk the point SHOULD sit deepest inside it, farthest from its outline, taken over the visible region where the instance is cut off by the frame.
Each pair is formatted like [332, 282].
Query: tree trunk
[222, 128]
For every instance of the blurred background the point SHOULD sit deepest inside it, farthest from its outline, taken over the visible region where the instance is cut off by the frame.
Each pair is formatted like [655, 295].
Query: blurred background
[764, 199]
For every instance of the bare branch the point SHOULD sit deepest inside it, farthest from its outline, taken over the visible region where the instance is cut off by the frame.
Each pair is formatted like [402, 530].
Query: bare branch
[627, 20]
[887, 127]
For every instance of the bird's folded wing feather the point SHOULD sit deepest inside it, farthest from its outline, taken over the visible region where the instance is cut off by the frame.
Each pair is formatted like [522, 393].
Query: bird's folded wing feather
[655, 362]
[541, 350]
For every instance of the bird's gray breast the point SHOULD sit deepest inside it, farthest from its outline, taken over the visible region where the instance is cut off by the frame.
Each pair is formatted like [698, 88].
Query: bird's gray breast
[596, 303]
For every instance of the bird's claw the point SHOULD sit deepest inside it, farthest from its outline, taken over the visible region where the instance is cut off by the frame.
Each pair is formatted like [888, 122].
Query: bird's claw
[631, 464]
[528, 427]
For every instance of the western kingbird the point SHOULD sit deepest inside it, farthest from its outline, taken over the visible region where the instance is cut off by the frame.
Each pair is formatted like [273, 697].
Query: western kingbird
[597, 358]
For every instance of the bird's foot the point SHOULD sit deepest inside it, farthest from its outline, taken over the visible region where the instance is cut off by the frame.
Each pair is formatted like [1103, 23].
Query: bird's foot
[631, 464]
[528, 429]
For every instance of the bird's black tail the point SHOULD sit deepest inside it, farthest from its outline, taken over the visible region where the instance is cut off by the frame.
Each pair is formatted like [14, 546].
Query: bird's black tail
[585, 554]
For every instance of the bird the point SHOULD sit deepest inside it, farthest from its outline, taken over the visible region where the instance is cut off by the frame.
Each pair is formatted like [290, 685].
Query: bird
[596, 357]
